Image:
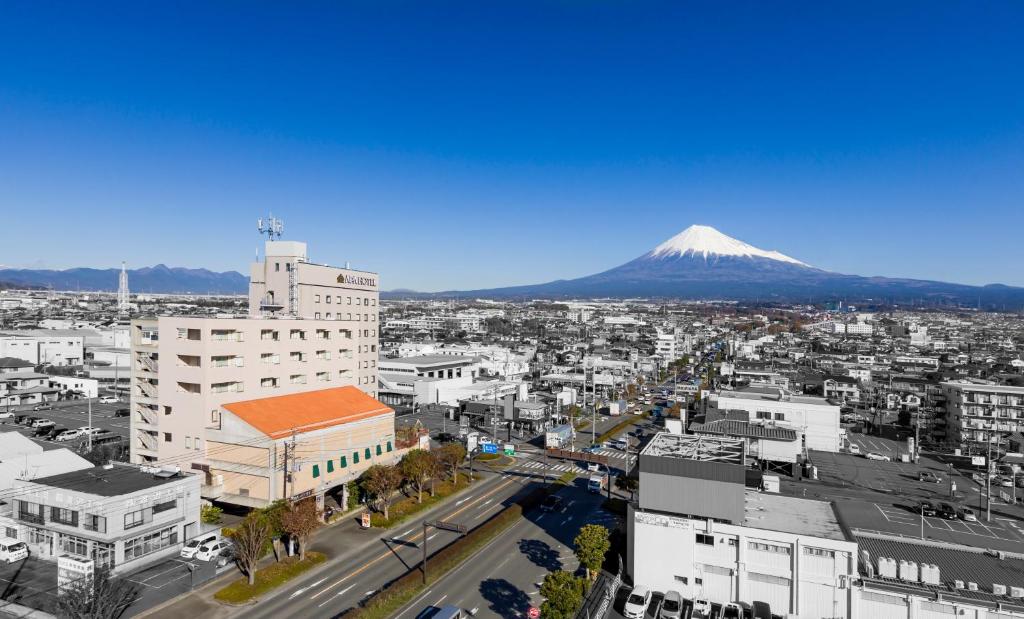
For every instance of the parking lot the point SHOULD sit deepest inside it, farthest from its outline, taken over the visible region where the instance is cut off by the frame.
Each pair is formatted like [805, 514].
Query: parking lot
[881, 496]
[71, 414]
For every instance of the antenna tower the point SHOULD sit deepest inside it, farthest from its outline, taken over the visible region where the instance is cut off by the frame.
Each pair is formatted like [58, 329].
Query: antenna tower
[122, 291]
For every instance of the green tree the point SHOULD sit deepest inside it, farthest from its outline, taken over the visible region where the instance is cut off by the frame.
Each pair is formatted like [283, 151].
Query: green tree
[451, 456]
[563, 595]
[416, 467]
[379, 483]
[591, 545]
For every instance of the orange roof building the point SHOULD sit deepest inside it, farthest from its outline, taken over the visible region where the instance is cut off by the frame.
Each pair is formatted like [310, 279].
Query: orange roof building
[281, 416]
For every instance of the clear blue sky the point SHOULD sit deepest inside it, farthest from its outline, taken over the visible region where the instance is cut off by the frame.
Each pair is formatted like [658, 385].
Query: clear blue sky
[465, 145]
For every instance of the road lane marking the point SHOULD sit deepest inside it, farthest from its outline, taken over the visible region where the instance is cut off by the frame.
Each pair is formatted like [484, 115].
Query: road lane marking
[299, 592]
[388, 553]
[337, 595]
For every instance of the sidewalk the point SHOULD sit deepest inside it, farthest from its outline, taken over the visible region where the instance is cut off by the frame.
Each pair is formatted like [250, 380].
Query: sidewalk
[340, 541]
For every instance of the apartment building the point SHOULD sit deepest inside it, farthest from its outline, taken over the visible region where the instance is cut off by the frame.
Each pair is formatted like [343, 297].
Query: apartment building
[44, 346]
[302, 334]
[977, 414]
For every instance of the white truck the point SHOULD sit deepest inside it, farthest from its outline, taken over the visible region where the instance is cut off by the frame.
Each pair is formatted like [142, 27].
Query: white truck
[596, 483]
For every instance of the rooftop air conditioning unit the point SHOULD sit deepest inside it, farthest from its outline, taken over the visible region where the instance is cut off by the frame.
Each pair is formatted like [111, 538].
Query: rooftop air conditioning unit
[972, 586]
[1017, 592]
[908, 571]
[958, 584]
[930, 574]
[999, 589]
[886, 567]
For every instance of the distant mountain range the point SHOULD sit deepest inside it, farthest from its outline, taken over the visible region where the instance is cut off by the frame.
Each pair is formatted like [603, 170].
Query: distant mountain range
[159, 279]
[702, 263]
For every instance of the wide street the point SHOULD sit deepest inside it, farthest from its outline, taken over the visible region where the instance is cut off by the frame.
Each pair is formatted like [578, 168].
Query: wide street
[361, 562]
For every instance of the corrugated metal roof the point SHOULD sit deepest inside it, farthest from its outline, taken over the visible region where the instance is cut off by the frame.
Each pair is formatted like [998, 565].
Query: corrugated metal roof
[730, 427]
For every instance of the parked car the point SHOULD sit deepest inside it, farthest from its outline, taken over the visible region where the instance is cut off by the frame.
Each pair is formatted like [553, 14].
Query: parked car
[1006, 482]
[211, 550]
[89, 430]
[67, 435]
[874, 455]
[929, 477]
[227, 555]
[737, 610]
[122, 412]
[42, 407]
[637, 602]
[552, 503]
[6, 415]
[701, 609]
[671, 606]
[109, 399]
[926, 508]
[39, 423]
[855, 449]
[12, 550]
[762, 610]
[192, 546]
[967, 514]
[22, 419]
[947, 511]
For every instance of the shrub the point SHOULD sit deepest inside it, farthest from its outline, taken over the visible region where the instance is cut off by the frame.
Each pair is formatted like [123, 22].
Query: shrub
[268, 578]
[210, 514]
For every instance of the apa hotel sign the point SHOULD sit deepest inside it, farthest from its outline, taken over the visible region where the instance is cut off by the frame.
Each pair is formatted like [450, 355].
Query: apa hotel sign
[356, 280]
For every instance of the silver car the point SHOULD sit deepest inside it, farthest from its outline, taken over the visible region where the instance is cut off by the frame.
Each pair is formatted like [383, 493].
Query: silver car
[671, 606]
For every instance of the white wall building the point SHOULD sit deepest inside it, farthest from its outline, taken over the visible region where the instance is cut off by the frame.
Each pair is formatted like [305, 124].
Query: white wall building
[814, 417]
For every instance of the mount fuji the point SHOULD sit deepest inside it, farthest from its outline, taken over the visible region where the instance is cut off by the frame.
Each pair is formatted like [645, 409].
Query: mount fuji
[702, 263]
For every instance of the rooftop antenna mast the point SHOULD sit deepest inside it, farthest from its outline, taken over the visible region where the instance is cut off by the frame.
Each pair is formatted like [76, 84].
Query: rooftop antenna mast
[271, 226]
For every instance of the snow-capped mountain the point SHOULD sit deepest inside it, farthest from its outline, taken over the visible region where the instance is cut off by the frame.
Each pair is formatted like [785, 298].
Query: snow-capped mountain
[702, 263]
[711, 243]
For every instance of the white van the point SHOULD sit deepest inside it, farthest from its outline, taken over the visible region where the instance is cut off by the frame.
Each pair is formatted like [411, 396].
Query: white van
[854, 449]
[12, 550]
[192, 546]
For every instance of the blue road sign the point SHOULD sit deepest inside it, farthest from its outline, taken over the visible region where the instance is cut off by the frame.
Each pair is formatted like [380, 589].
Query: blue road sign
[490, 448]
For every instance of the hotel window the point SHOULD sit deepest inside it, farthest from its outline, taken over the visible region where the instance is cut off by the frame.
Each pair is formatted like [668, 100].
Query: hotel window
[165, 506]
[297, 334]
[366, 301]
[328, 298]
[330, 466]
[764, 415]
[316, 315]
[269, 334]
[323, 377]
[298, 357]
[780, 417]
[268, 382]
[782, 550]
[328, 316]
[344, 461]
[270, 358]
[323, 355]
[232, 387]
[379, 450]
[316, 298]
[188, 442]
[167, 437]
[819, 552]
[196, 445]
[277, 267]
[707, 540]
[323, 334]
[367, 453]
[214, 416]
[373, 302]
[316, 471]
[389, 446]
[298, 379]
[355, 457]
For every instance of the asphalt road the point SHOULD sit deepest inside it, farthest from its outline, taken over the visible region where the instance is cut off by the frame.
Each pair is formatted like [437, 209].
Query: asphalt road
[503, 578]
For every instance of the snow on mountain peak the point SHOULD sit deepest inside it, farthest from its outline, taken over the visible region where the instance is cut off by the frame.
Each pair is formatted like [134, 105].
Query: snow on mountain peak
[707, 241]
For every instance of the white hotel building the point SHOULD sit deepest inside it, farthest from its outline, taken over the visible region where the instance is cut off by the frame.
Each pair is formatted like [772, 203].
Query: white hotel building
[310, 327]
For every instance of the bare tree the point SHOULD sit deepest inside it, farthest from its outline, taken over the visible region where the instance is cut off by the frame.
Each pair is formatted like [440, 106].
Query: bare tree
[251, 539]
[300, 521]
[100, 596]
[380, 482]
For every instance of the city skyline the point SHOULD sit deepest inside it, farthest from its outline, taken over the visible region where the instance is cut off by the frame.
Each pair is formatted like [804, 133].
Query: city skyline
[509, 145]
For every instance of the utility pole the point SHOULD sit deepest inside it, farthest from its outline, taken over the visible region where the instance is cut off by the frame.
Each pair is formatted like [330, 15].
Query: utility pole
[988, 480]
[90, 422]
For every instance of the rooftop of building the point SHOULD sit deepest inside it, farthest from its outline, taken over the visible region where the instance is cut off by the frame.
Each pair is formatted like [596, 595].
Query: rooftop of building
[787, 514]
[985, 388]
[428, 360]
[13, 362]
[692, 447]
[280, 416]
[954, 562]
[117, 480]
[770, 393]
[732, 427]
